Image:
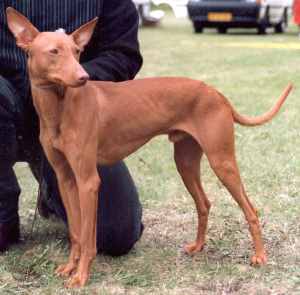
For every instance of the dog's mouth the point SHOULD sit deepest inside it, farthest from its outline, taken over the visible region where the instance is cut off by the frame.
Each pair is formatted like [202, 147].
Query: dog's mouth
[57, 81]
[72, 84]
[79, 83]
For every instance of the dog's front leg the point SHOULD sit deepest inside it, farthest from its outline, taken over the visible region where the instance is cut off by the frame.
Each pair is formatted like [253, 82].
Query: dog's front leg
[69, 195]
[88, 197]
[84, 166]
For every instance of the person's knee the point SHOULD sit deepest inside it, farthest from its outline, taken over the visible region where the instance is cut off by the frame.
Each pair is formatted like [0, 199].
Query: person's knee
[119, 230]
[120, 241]
[119, 222]
[120, 211]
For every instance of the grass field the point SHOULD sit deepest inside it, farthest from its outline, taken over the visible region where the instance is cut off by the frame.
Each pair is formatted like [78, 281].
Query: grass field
[251, 71]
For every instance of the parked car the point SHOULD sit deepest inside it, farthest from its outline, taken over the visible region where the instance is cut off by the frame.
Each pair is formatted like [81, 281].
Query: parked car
[224, 14]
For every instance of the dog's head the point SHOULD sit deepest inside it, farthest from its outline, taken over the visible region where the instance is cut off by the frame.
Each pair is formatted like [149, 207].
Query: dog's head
[53, 57]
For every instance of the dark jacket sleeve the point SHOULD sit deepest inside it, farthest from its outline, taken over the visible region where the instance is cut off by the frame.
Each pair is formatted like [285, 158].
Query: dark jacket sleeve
[113, 53]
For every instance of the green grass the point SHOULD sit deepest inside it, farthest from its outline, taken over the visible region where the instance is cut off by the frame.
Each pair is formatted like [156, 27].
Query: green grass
[252, 75]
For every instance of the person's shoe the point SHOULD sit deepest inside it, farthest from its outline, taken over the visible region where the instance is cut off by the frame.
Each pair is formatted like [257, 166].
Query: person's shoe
[9, 234]
[43, 209]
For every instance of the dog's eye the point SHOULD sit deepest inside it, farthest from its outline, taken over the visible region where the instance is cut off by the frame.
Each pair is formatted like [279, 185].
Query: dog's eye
[54, 51]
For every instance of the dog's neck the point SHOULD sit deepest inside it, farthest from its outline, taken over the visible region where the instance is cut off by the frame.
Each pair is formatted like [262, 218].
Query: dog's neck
[48, 101]
[55, 88]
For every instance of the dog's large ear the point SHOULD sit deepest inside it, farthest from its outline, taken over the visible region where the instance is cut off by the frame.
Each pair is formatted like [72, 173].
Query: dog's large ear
[23, 30]
[83, 34]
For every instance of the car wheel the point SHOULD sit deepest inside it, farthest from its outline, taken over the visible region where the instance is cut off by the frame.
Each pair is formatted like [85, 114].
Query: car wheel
[222, 30]
[280, 28]
[261, 30]
[197, 27]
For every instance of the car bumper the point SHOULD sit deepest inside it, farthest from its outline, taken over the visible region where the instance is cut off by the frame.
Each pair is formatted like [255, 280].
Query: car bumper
[243, 14]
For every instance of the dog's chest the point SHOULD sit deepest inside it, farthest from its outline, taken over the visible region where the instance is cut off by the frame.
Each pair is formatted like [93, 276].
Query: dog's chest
[56, 143]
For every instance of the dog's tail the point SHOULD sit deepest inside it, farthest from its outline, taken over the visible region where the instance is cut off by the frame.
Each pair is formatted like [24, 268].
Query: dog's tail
[266, 117]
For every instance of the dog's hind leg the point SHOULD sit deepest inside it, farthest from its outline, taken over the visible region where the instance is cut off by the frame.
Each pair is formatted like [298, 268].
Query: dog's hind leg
[219, 149]
[187, 154]
[227, 172]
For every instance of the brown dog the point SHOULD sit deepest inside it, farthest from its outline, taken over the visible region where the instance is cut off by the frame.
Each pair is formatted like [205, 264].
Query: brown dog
[103, 122]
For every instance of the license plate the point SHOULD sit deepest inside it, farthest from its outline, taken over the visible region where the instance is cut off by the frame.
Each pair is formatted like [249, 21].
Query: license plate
[219, 17]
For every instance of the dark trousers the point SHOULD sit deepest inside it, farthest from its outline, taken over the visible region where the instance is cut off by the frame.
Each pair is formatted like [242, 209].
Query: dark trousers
[119, 213]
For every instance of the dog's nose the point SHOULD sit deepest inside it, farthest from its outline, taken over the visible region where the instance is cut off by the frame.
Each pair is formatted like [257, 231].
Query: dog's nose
[83, 77]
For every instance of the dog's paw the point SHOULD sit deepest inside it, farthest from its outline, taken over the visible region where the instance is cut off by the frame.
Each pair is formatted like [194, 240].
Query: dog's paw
[193, 248]
[78, 280]
[259, 259]
[65, 270]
